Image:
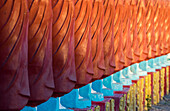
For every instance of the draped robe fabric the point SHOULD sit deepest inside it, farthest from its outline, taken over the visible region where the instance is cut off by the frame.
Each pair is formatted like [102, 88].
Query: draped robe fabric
[157, 19]
[63, 46]
[133, 31]
[82, 46]
[97, 39]
[150, 31]
[108, 37]
[141, 30]
[163, 27]
[118, 34]
[150, 28]
[126, 34]
[167, 27]
[14, 84]
[40, 51]
[49, 47]
[162, 16]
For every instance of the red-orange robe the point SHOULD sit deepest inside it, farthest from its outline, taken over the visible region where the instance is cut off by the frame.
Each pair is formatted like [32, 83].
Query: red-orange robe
[133, 32]
[97, 39]
[141, 30]
[63, 46]
[14, 84]
[163, 27]
[157, 19]
[40, 71]
[108, 36]
[150, 31]
[118, 36]
[168, 28]
[82, 46]
[126, 34]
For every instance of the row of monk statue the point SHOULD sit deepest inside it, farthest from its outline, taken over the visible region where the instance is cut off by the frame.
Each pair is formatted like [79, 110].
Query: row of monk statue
[50, 47]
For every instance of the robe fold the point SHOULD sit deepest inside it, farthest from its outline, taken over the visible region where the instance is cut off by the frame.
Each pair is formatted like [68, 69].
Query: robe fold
[163, 27]
[97, 39]
[126, 34]
[150, 31]
[40, 51]
[108, 36]
[141, 30]
[157, 21]
[82, 42]
[133, 32]
[63, 46]
[14, 84]
[168, 28]
[118, 36]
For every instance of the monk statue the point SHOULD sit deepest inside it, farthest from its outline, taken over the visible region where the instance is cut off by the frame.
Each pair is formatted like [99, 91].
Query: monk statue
[14, 84]
[82, 42]
[150, 31]
[126, 34]
[133, 31]
[118, 35]
[157, 19]
[141, 29]
[97, 39]
[108, 36]
[40, 71]
[167, 28]
[163, 26]
[63, 46]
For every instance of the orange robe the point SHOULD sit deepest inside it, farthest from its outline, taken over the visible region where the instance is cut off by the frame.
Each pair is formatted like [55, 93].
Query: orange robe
[63, 46]
[163, 27]
[14, 84]
[126, 34]
[157, 29]
[141, 30]
[97, 39]
[40, 71]
[168, 28]
[82, 46]
[108, 36]
[133, 32]
[118, 36]
[150, 31]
